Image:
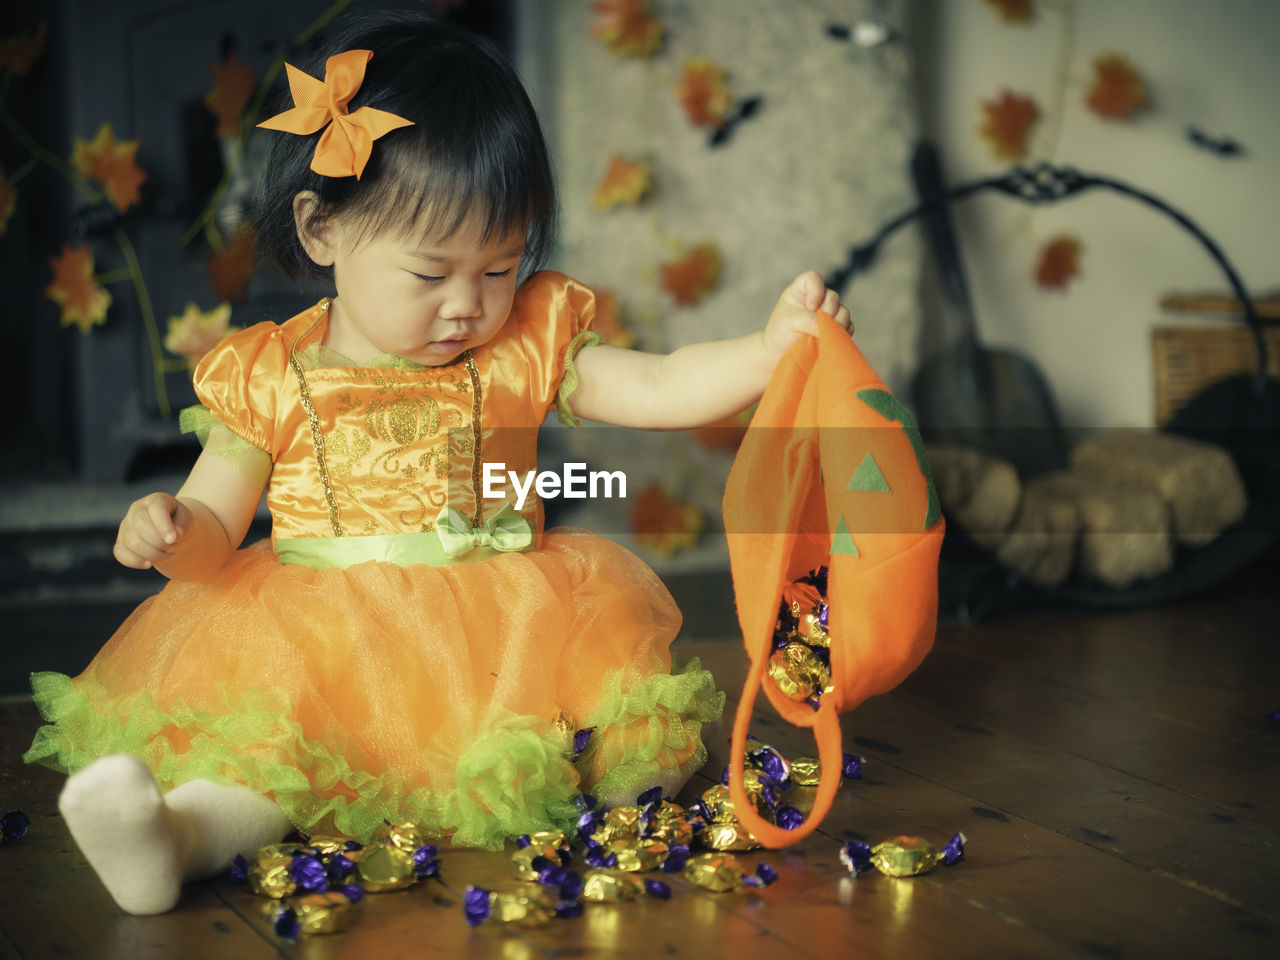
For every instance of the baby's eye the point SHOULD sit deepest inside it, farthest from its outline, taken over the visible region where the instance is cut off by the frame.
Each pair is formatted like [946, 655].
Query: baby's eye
[504, 273]
[426, 279]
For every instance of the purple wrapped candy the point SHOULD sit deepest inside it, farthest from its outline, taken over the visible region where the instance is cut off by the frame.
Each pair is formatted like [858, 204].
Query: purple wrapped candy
[856, 856]
[286, 924]
[477, 905]
[597, 858]
[588, 823]
[522, 841]
[677, 857]
[580, 740]
[852, 766]
[13, 826]
[768, 876]
[351, 845]
[308, 872]
[354, 892]
[425, 861]
[658, 888]
[954, 849]
[652, 795]
[571, 887]
[788, 818]
[239, 872]
[568, 908]
[771, 762]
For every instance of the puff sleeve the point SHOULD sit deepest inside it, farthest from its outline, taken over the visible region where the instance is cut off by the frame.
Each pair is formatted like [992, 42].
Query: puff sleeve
[240, 380]
[554, 313]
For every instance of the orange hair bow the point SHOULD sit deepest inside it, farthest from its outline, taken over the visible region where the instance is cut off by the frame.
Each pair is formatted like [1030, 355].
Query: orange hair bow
[346, 145]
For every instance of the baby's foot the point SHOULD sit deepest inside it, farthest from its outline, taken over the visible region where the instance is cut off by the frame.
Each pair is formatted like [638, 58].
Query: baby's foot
[118, 819]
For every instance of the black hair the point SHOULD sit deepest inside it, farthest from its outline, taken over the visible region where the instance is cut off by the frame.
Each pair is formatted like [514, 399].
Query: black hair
[475, 153]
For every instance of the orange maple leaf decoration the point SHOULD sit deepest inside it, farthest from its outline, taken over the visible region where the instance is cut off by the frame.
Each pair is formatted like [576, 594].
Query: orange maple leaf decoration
[624, 182]
[195, 332]
[663, 524]
[1013, 11]
[1059, 263]
[627, 27]
[8, 200]
[704, 93]
[689, 279]
[725, 434]
[230, 270]
[1117, 91]
[1007, 122]
[111, 164]
[83, 302]
[608, 322]
[233, 85]
[19, 52]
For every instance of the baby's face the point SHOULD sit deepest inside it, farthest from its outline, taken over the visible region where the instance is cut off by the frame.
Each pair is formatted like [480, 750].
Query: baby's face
[427, 300]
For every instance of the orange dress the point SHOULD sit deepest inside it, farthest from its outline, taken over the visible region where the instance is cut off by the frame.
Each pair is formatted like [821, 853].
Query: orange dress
[404, 648]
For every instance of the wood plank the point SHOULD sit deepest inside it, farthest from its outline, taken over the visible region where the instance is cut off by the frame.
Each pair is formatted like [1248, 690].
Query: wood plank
[53, 905]
[1041, 872]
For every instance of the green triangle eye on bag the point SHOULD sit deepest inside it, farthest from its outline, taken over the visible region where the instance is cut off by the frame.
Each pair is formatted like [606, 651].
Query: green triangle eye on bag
[833, 473]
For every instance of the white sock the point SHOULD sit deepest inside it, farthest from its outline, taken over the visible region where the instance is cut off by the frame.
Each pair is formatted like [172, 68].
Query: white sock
[143, 845]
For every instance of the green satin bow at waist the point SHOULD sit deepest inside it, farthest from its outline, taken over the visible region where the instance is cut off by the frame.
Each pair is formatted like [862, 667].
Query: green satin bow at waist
[454, 540]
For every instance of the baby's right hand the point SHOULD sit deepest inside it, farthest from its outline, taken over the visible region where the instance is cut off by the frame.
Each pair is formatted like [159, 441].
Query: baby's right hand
[151, 530]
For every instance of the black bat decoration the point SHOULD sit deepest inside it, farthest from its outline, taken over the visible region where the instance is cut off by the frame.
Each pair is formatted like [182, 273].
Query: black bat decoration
[742, 110]
[1222, 146]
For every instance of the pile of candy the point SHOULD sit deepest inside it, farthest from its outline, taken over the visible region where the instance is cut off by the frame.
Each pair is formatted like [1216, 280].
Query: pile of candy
[616, 845]
[801, 660]
[312, 885]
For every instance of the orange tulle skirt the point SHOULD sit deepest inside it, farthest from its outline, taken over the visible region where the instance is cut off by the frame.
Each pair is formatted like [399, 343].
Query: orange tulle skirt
[448, 695]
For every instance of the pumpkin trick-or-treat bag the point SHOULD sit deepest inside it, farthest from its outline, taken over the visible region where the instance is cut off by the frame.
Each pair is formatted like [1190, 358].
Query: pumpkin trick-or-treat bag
[832, 472]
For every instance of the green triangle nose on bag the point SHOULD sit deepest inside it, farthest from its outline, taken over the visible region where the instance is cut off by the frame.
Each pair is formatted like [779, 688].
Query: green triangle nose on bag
[832, 472]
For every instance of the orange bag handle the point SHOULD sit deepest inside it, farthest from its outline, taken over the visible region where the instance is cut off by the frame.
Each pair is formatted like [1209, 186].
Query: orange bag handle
[826, 731]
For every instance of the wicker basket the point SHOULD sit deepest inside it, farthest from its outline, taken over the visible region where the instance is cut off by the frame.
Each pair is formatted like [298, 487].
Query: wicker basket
[1188, 359]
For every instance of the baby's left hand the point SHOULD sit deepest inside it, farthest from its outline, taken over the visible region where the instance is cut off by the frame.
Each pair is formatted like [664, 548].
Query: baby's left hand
[796, 312]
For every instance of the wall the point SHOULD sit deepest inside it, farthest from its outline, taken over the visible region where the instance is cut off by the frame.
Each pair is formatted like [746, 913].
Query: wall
[1213, 65]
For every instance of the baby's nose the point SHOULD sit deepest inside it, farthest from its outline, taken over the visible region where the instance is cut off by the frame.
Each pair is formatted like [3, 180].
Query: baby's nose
[462, 300]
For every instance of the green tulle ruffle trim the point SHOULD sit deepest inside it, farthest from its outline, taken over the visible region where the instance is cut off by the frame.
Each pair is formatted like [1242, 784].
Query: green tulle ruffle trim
[648, 733]
[512, 779]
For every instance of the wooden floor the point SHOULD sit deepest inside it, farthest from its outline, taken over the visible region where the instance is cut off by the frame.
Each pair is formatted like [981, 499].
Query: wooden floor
[1115, 774]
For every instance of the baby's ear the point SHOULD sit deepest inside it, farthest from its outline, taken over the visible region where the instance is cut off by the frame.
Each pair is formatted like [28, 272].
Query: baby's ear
[315, 229]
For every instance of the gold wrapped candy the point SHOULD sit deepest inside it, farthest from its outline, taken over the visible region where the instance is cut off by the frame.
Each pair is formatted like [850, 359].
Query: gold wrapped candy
[728, 835]
[806, 772]
[905, 856]
[316, 912]
[608, 886]
[404, 836]
[383, 868]
[549, 838]
[718, 803]
[811, 630]
[269, 875]
[798, 672]
[278, 850]
[327, 846]
[638, 856]
[717, 872]
[520, 909]
[523, 859]
[620, 822]
[674, 832]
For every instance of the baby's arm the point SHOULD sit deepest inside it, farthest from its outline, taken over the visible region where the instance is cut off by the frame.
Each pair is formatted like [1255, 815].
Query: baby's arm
[703, 382]
[190, 536]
